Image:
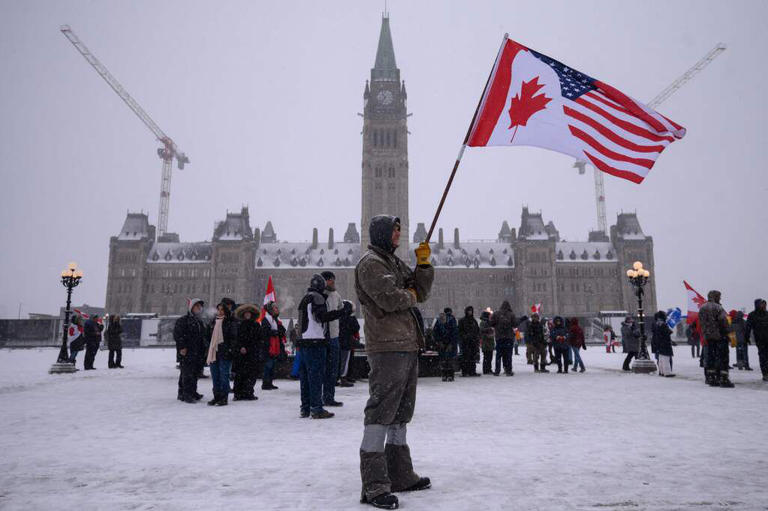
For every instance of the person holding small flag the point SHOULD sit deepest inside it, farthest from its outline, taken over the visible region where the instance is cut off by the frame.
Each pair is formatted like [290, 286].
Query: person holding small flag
[273, 344]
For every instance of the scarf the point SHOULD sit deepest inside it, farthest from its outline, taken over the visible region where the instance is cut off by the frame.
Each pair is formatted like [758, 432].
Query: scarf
[216, 339]
[271, 320]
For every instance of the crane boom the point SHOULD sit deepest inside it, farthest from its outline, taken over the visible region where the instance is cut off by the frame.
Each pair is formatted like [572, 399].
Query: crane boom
[602, 222]
[167, 153]
[686, 77]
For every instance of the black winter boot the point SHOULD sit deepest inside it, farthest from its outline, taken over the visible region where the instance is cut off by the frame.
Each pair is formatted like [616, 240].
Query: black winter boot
[710, 379]
[422, 484]
[725, 382]
[383, 501]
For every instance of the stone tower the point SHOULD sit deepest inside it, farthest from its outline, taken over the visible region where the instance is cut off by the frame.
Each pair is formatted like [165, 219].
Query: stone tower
[385, 142]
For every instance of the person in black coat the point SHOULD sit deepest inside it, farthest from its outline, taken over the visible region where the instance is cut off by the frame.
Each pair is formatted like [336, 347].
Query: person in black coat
[757, 325]
[469, 333]
[115, 342]
[558, 337]
[349, 332]
[189, 334]
[247, 353]
[661, 340]
[92, 333]
[272, 344]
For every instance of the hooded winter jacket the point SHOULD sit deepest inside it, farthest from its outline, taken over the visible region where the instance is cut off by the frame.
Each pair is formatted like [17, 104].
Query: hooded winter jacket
[469, 331]
[713, 319]
[382, 281]
[576, 335]
[757, 324]
[487, 333]
[504, 323]
[558, 334]
[662, 337]
[189, 333]
[534, 334]
[630, 335]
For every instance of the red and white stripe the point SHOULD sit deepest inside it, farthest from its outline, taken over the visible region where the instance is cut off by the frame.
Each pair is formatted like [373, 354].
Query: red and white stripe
[623, 140]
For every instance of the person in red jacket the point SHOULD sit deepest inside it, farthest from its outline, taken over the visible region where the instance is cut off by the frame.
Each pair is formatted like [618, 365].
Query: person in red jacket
[576, 340]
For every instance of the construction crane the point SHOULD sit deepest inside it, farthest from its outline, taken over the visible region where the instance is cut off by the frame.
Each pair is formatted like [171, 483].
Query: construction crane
[167, 153]
[602, 223]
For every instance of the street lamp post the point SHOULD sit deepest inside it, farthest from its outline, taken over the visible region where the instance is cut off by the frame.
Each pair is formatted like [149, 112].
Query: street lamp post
[70, 278]
[638, 277]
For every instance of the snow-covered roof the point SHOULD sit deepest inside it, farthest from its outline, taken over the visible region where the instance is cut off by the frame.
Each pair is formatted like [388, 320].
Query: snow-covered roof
[302, 255]
[136, 227]
[474, 254]
[585, 252]
[167, 252]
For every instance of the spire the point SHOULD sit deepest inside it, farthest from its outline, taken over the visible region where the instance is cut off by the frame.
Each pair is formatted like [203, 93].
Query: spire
[385, 68]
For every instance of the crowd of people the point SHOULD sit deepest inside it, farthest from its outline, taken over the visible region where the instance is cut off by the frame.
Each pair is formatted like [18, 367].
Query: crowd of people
[242, 344]
[547, 342]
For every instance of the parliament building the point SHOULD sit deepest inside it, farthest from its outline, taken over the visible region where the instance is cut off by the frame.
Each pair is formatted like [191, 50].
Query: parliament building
[526, 264]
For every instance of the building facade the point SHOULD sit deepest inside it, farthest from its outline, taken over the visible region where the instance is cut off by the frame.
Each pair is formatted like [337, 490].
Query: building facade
[525, 265]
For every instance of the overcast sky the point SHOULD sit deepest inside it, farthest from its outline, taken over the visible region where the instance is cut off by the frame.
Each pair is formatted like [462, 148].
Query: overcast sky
[263, 97]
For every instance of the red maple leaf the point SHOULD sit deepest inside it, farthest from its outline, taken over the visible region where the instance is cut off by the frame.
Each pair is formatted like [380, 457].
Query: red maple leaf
[699, 300]
[525, 104]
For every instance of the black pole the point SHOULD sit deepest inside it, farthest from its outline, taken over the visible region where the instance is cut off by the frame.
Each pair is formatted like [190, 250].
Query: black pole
[64, 352]
[640, 313]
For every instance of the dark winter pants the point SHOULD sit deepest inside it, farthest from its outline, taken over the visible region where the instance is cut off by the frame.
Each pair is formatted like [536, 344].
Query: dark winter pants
[628, 360]
[385, 458]
[487, 360]
[468, 357]
[695, 350]
[538, 355]
[269, 371]
[504, 349]
[90, 355]
[189, 370]
[718, 355]
[561, 356]
[245, 378]
[762, 351]
[115, 357]
[331, 371]
[742, 355]
[220, 378]
[311, 374]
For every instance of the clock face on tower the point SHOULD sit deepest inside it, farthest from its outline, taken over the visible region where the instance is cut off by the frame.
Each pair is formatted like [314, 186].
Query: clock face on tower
[384, 97]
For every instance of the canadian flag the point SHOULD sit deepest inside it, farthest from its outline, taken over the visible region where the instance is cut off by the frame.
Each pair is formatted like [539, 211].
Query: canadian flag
[536, 308]
[695, 301]
[269, 296]
[534, 100]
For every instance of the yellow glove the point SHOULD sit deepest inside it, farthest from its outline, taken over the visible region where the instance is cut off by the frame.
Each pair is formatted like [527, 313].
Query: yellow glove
[423, 253]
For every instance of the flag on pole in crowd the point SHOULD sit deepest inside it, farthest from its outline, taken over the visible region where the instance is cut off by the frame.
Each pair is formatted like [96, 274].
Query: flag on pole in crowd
[269, 296]
[536, 309]
[674, 316]
[534, 100]
[99, 320]
[695, 301]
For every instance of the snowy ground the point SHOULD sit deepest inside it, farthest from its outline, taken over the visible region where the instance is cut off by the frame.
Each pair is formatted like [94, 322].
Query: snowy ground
[118, 439]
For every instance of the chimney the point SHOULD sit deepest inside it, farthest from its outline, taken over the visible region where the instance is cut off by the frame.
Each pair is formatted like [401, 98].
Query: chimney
[440, 240]
[314, 238]
[456, 243]
[330, 238]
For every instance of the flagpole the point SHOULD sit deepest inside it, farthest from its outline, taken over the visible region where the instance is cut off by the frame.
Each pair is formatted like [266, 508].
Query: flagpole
[466, 140]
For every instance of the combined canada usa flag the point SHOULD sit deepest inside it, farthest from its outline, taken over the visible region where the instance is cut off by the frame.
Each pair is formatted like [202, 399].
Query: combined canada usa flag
[534, 100]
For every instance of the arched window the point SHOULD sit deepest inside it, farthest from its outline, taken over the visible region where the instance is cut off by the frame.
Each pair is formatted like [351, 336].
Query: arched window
[375, 138]
[389, 140]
